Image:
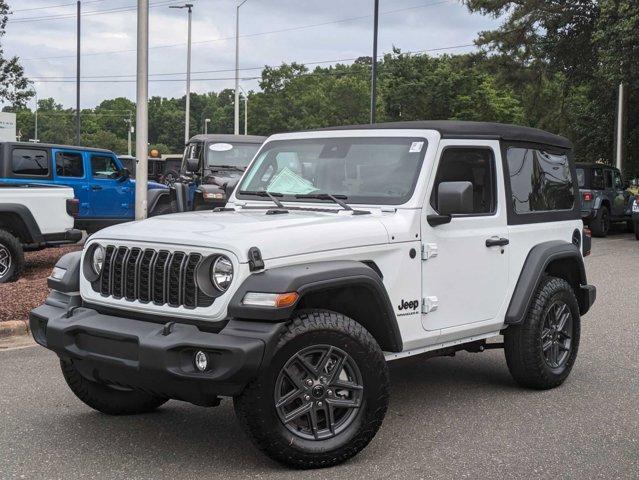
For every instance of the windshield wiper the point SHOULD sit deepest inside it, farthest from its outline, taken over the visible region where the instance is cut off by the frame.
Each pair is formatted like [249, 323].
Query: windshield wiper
[327, 196]
[264, 193]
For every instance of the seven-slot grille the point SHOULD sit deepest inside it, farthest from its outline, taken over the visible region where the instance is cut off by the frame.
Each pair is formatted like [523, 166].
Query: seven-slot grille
[149, 275]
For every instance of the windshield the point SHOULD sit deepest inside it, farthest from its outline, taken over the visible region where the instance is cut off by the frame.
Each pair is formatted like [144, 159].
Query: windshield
[370, 170]
[230, 154]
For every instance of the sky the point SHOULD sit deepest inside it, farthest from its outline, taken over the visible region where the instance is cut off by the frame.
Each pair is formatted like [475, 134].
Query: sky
[43, 34]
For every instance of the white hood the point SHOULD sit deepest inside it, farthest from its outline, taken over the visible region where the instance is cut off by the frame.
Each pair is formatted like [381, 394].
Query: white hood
[287, 234]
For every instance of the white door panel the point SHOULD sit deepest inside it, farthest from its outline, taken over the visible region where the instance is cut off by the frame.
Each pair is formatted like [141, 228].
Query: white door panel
[467, 279]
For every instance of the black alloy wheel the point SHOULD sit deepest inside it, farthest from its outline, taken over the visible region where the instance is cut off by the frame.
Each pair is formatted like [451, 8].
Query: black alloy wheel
[556, 335]
[318, 392]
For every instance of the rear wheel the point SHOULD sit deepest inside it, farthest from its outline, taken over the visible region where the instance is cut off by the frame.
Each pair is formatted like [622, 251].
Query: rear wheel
[322, 398]
[637, 230]
[601, 223]
[541, 352]
[11, 257]
[162, 208]
[108, 399]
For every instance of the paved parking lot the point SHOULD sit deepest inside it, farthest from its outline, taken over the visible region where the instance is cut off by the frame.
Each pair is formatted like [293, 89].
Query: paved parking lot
[459, 417]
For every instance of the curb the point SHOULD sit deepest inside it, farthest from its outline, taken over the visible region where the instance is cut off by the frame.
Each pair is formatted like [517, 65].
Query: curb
[13, 327]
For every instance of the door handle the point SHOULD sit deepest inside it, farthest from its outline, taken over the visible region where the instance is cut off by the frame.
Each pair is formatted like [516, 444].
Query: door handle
[96, 187]
[497, 242]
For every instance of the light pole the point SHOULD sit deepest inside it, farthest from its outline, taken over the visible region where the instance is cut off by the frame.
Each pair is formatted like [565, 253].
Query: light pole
[374, 64]
[245, 111]
[142, 111]
[187, 114]
[77, 80]
[236, 126]
[129, 123]
[206, 125]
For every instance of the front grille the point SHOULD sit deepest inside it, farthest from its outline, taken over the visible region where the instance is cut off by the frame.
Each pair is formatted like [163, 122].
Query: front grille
[149, 275]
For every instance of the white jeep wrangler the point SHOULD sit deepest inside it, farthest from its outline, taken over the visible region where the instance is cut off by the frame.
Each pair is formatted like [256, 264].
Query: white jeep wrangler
[340, 250]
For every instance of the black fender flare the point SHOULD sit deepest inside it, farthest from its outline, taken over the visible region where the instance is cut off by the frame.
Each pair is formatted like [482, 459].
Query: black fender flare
[535, 265]
[30, 224]
[309, 278]
[154, 195]
[70, 281]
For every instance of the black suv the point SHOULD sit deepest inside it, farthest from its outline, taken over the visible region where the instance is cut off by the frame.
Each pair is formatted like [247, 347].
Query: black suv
[605, 198]
[211, 167]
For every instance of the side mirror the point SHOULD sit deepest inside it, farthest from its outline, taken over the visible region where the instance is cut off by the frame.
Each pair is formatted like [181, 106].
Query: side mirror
[453, 198]
[125, 174]
[192, 164]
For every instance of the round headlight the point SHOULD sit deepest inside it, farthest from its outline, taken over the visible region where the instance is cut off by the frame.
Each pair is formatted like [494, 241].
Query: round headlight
[97, 259]
[222, 273]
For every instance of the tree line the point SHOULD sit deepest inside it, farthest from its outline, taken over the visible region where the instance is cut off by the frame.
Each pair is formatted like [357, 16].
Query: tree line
[551, 65]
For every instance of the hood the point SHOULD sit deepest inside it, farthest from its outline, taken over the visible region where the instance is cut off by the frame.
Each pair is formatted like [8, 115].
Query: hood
[222, 177]
[151, 185]
[280, 235]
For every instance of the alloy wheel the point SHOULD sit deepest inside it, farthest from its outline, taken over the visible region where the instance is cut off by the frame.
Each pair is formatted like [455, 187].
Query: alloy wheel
[556, 335]
[5, 260]
[319, 392]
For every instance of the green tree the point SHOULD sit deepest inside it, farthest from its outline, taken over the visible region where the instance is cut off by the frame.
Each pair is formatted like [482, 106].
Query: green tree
[14, 86]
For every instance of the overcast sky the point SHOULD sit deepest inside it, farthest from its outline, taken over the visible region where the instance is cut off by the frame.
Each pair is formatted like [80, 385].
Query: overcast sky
[303, 31]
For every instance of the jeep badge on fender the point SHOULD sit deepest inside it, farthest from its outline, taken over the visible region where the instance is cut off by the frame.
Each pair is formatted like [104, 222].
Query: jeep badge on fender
[179, 307]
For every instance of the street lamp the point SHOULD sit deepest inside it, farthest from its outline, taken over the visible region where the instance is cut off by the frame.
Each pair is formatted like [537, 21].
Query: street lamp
[189, 7]
[206, 125]
[245, 111]
[236, 127]
[374, 63]
[142, 111]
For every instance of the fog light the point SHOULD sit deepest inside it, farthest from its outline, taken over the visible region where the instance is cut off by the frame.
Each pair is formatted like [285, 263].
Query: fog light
[201, 361]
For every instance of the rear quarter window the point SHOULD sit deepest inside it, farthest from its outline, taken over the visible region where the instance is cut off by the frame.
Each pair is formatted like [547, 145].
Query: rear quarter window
[30, 162]
[540, 181]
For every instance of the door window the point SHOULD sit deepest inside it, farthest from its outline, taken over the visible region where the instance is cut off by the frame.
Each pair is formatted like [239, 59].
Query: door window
[540, 181]
[69, 164]
[30, 162]
[608, 178]
[474, 165]
[104, 166]
[597, 179]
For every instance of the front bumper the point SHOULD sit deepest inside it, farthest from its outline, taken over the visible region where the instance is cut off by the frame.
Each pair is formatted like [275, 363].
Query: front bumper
[150, 356]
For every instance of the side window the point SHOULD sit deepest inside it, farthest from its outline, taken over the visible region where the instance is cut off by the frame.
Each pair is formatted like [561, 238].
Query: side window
[32, 163]
[597, 179]
[540, 181]
[474, 165]
[617, 180]
[104, 166]
[608, 178]
[69, 164]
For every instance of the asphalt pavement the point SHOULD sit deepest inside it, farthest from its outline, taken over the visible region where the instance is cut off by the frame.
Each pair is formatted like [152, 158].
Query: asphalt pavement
[460, 417]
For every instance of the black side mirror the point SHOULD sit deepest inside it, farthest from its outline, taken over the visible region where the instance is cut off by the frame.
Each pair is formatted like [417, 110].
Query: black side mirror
[192, 165]
[125, 174]
[453, 198]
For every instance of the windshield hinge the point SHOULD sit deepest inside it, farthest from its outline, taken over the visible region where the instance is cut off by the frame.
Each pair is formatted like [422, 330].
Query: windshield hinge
[429, 250]
[429, 304]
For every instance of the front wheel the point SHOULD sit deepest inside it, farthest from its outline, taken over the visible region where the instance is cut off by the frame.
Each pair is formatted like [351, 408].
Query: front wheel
[324, 395]
[541, 352]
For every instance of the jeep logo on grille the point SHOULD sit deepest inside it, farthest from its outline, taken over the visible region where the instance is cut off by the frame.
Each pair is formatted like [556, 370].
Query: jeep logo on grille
[412, 305]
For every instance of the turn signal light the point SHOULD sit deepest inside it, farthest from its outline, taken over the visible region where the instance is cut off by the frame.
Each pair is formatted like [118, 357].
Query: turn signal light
[275, 300]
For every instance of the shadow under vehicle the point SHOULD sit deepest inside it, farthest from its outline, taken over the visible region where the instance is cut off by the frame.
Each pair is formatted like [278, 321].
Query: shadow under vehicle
[211, 167]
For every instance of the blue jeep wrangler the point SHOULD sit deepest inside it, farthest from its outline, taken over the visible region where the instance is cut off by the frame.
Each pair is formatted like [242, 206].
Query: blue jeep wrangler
[101, 184]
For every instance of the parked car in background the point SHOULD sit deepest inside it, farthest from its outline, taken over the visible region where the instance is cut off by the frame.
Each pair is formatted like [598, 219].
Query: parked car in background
[164, 169]
[605, 198]
[101, 184]
[211, 167]
[635, 216]
[33, 217]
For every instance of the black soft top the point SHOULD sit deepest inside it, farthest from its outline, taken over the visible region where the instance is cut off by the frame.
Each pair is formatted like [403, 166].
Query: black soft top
[227, 138]
[465, 130]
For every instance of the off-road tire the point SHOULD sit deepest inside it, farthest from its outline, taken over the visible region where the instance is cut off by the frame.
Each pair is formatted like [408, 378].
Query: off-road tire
[107, 399]
[600, 226]
[637, 230]
[12, 245]
[255, 407]
[522, 343]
